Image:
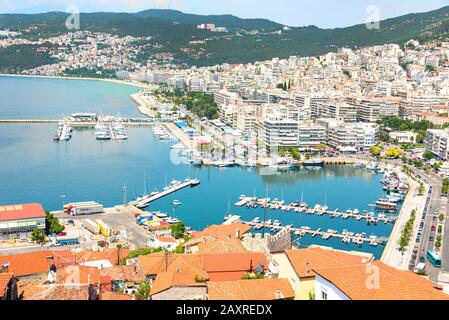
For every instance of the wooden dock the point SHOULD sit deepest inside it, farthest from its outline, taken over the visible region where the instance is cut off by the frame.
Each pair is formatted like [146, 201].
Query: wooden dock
[146, 200]
[277, 206]
[346, 237]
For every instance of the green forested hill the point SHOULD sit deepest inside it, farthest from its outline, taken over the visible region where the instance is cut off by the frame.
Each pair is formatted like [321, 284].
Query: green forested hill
[174, 30]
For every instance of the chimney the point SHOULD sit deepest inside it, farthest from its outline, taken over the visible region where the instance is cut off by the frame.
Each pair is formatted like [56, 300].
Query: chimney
[237, 233]
[307, 268]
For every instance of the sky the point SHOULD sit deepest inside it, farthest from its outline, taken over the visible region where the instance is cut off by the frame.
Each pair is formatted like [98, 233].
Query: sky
[322, 13]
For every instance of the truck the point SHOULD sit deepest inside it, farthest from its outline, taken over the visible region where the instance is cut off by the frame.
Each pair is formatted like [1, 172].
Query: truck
[142, 219]
[91, 226]
[84, 208]
[104, 228]
[66, 241]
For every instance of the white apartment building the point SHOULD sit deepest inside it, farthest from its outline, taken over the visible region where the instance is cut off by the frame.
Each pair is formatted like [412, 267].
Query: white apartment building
[278, 131]
[247, 119]
[353, 137]
[372, 110]
[225, 98]
[311, 134]
[228, 114]
[336, 110]
[437, 142]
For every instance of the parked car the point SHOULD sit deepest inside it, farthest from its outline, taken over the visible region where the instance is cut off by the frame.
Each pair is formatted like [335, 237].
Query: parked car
[431, 239]
[422, 259]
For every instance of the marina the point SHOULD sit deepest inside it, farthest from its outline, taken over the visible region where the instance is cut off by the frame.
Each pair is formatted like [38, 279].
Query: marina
[345, 236]
[144, 201]
[115, 165]
[317, 210]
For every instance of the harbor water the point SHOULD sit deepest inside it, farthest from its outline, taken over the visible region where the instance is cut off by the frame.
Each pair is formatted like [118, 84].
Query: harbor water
[37, 169]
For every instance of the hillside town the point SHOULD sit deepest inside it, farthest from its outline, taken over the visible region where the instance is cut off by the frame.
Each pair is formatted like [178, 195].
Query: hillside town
[385, 106]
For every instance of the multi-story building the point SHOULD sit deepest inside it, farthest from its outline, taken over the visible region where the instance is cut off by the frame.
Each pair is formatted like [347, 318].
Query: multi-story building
[278, 131]
[372, 110]
[18, 221]
[247, 119]
[437, 142]
[311, 134]
[353, 137]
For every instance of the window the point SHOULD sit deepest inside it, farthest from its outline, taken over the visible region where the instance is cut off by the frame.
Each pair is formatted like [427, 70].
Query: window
[323, 295]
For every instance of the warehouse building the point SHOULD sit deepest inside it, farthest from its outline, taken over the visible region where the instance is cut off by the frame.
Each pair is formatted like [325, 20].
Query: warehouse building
[18, 221]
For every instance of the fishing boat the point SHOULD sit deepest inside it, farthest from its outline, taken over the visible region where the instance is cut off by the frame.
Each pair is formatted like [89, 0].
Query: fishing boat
[178, 146]
[161, 215]
[314, 163]
[386, 204]
[177, 203]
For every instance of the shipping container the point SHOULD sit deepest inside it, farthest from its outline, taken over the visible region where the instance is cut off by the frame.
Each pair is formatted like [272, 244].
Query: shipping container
[104, 228]
[91, 226]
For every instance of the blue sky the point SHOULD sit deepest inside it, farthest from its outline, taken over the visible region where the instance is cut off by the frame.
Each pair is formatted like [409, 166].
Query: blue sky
[323, 13]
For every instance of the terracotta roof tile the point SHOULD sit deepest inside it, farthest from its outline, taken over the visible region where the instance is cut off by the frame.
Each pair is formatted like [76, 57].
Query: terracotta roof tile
[231, 266]
[23, 264]
[5, 277]
[358, 282]
[264, 289]
[221, 246]
[21, 211]
[223, 232]
[110, 295]
[317, 257]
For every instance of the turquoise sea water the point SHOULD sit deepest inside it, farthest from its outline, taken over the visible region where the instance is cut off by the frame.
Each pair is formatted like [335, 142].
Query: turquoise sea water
[37, 98]
[36, 169]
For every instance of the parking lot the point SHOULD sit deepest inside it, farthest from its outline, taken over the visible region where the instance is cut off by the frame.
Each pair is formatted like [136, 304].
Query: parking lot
[118, 219]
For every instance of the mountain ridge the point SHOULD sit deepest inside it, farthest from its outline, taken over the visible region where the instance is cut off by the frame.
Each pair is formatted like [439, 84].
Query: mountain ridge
[248, 40]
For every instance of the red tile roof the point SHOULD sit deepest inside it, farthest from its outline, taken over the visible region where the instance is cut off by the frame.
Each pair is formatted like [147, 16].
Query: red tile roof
[264, 289]
[231, 266]
[21, 211]
[23, 264]
[5, 277]
[392, 284]
[304, 260]
[109, 295]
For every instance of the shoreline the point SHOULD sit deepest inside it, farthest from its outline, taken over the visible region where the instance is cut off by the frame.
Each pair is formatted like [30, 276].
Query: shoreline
[122, 82]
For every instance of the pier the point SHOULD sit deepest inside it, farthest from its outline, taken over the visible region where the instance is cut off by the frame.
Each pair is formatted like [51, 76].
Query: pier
[279, 206]
[146, 200]
[345, 236]
[126, 122]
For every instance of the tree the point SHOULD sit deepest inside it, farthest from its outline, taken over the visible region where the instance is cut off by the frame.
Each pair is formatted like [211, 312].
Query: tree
[375, 150]
[38, 236]
[394, 153]
[421, 189]
[178, 230]
[436, 166]
[321, 148]
[52, 225]
[421, 137]
[143, 291]
[428, 156]
[438, 242]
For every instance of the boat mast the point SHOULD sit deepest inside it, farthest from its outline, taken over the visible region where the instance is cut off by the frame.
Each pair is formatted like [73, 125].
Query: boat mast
[145, 184]
[265, 213]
